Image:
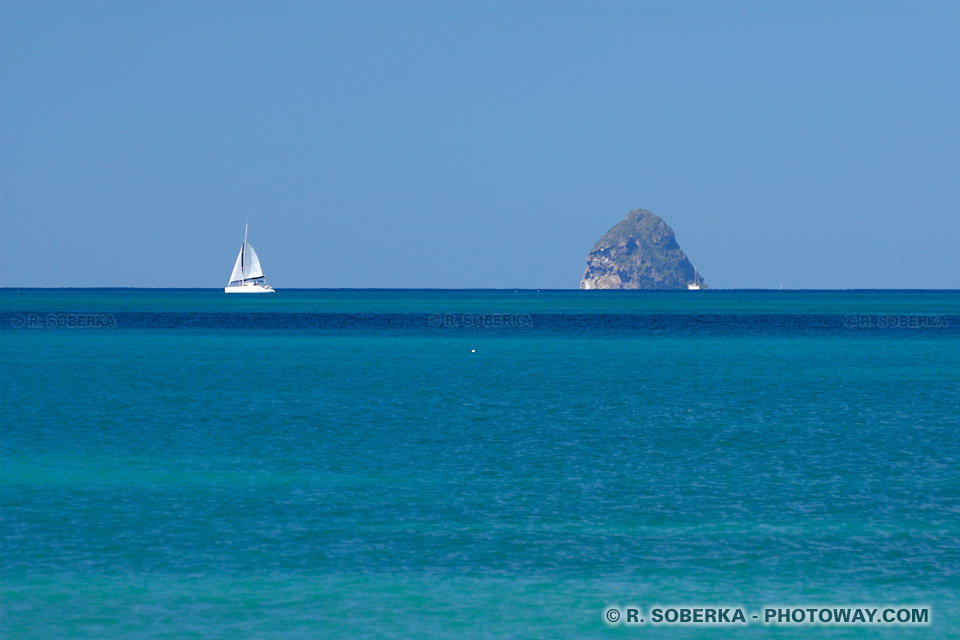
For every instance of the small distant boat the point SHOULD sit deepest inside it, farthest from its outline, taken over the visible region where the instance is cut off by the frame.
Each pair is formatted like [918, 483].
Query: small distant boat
[247, 276]
[697, 283]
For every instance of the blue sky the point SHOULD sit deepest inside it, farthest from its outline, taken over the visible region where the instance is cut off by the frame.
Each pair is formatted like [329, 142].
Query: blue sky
[477, 144]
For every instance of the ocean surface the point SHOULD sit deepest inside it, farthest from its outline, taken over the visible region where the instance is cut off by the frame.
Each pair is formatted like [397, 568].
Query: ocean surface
[473, 464]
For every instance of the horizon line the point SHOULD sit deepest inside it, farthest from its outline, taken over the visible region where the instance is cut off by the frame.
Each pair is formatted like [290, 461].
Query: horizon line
[515, 289]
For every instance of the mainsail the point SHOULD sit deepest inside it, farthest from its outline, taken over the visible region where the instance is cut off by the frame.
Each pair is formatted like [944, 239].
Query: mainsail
[251, 264]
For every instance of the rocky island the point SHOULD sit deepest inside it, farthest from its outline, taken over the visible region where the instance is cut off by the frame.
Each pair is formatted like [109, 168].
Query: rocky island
[640, 252]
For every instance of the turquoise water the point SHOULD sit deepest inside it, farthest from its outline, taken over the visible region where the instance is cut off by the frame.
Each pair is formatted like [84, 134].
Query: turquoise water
[473, 464]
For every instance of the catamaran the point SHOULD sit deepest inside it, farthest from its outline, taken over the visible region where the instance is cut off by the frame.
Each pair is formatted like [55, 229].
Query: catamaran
[697, 283]
[247, 276]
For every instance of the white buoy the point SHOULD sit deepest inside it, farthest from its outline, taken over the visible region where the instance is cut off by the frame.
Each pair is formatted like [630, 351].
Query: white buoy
[473, 350]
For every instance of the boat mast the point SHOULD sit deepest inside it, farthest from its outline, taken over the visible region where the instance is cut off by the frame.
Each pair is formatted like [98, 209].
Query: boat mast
[243, 252]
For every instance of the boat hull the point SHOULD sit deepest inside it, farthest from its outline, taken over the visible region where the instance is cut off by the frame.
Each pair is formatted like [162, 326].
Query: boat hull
[249, 288]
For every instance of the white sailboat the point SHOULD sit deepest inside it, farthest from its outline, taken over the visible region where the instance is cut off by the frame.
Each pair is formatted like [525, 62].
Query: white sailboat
[247, 276]
[697, 284]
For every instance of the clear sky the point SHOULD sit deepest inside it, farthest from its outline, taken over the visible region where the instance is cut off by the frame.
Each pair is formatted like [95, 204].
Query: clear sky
[477, 144]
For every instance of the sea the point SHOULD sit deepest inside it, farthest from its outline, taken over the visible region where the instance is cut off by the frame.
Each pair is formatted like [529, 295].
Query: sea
[476, 463]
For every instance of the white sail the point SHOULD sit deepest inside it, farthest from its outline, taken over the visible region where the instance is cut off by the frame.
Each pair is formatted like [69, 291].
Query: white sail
[247, 266]
[237, 274]
[251, 264]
